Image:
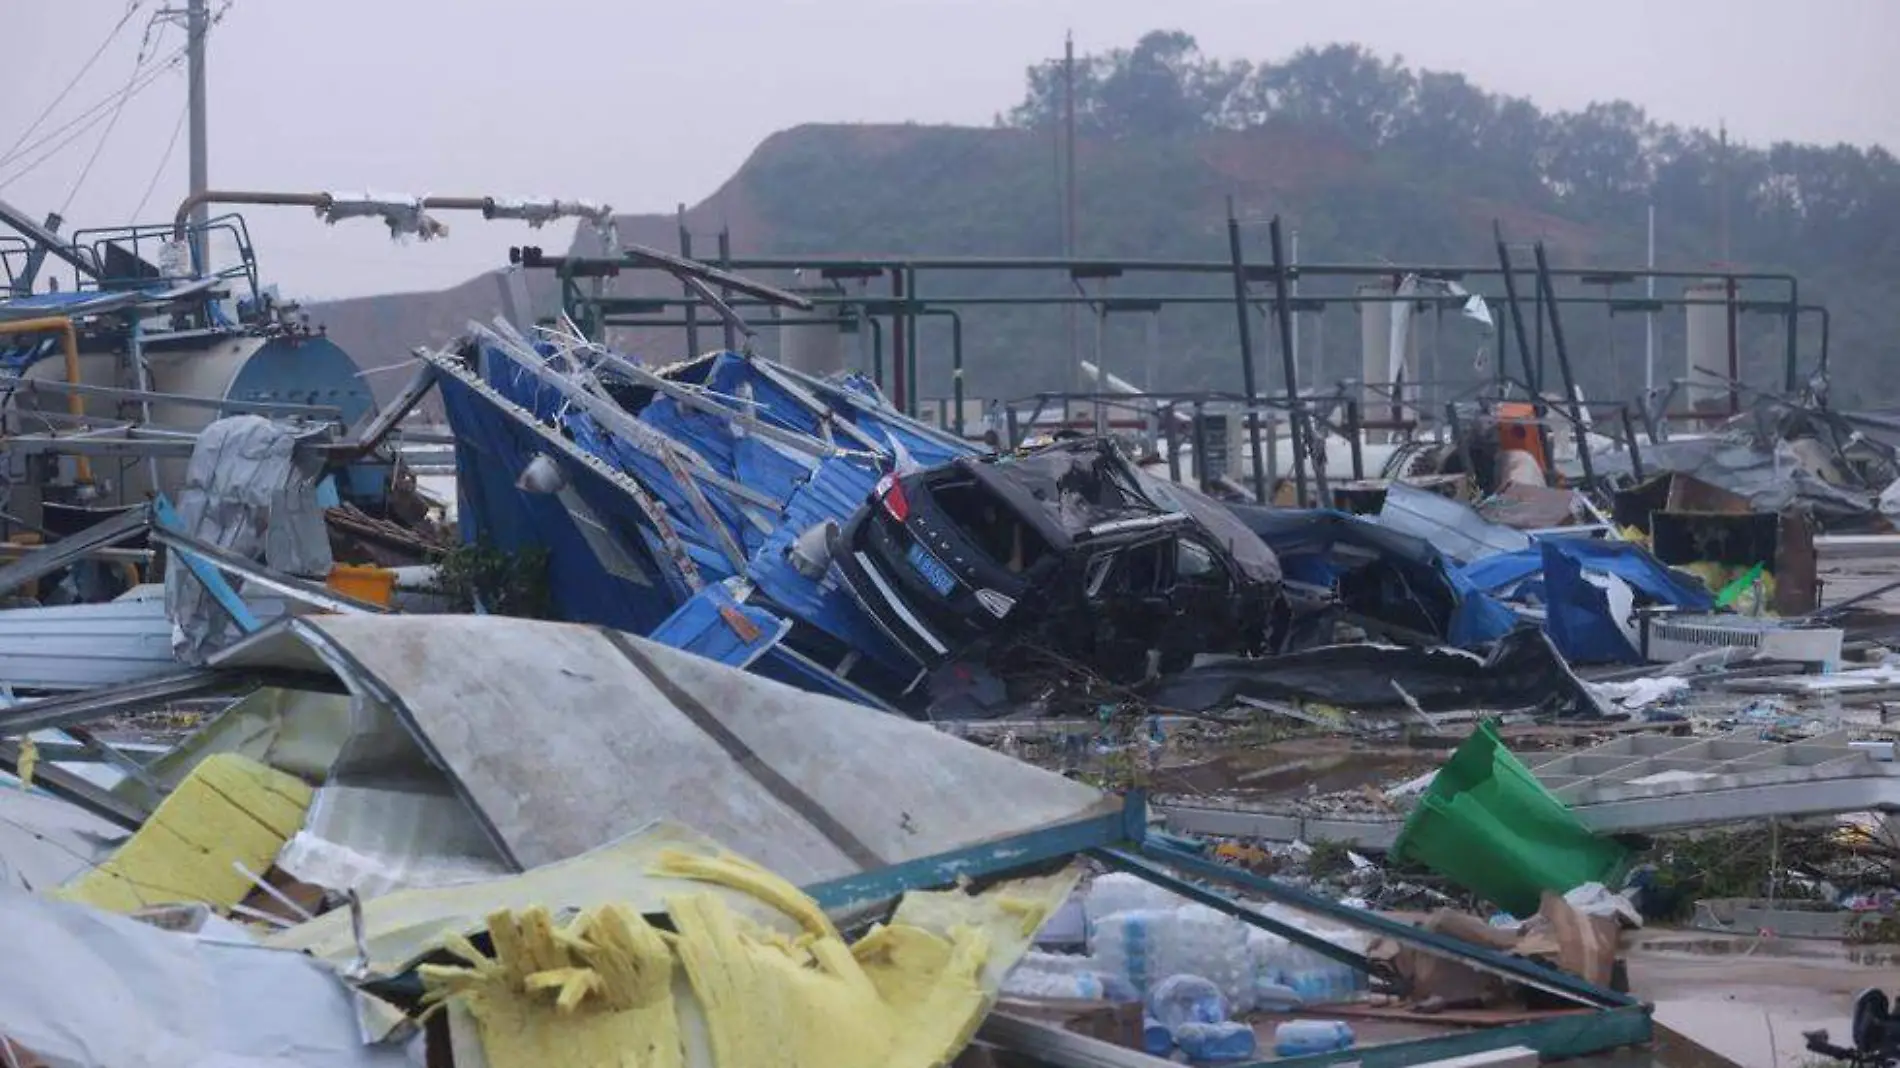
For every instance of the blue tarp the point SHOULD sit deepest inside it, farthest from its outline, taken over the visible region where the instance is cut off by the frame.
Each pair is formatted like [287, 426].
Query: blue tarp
[1380, 573]
[1628, 561]
[1578, 614]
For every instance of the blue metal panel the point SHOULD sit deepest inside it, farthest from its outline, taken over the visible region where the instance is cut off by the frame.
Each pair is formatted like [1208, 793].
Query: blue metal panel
[837, 489]
[784, 664]
[706, 625]
[491, 451]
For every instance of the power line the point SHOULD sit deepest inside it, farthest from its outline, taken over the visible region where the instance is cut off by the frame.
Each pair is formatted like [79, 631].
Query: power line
[131, 8]
[152, 28]
[159, 171]
[90, 117]
[100, 115]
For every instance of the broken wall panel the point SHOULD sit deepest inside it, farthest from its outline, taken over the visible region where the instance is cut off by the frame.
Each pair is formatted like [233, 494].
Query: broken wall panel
[86, 989]
[753, 763]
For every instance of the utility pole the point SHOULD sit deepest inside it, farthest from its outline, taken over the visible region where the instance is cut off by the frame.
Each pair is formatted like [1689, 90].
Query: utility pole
[197, 22]
[195, 16]
[1068, 203]
[1721, 189]
[1649, 314]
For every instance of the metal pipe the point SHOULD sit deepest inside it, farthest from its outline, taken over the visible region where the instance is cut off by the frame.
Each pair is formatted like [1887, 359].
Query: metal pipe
[910, 329]
[1353, 432]
[1517, 314]
[1299, 425]
[142, 377]
[888, 305]
[956, 360]
[725, 258]
[196, 202]
[1629, 439]
[1212, 267]
[1734, 353]
[1173, 437]
[1826, 322]
[1563, 364]
[197, 27]
[1794, 323]
[692, 306]
[897, 341]
[1243, 310]
[1200, 446]
[69, 348]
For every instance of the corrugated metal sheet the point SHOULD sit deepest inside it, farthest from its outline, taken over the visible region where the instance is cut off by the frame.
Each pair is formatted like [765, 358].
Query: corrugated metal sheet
[811, 787]
[78, 647]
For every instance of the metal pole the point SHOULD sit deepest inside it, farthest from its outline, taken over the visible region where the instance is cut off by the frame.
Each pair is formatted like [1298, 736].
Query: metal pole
[1734, 353]
[1068, 203]
[1299, 425]
[1517, 315]
[1649, 316]
[1319, 348]
[1174, 442]
[1794, 323]
[1538, 297]
[692, 305]
[1826, 324]
[1101, 368]
[1616, 368]
[1200, 449]
[956, 367]
[197, 23]
[1244, 312]
[142, 377]
[899, 343]
[1353, 434]
[725, 257]
[911, 381]
[1154, 350]
[1563, 364]
[1293, 257]
[1629, 438]
[1148, 364]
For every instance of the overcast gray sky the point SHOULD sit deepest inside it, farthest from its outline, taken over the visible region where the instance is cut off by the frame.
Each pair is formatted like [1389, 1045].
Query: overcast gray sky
[643, 105]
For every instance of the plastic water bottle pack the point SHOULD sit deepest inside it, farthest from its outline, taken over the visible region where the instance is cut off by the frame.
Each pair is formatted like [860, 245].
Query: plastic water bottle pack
[1125, 945]
[1201, 941]
[1120, 892]
[1297, 1037]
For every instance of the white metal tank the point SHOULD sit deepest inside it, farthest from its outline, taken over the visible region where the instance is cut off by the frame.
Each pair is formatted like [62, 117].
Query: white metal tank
[1706, 345]
[298, 369]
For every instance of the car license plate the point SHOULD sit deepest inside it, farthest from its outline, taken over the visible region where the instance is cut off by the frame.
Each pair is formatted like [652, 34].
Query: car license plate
[931, 569]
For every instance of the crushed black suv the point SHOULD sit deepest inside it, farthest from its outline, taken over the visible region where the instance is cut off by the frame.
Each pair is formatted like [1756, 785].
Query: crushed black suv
[1069, 547]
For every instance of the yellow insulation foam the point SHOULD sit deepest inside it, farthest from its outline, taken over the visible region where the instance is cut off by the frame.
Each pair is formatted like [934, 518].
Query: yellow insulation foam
[28, 761]
[229, 810]
[599, 991]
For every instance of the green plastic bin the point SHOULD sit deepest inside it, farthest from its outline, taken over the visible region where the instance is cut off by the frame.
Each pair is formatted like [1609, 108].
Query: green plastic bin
[1488, 825]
